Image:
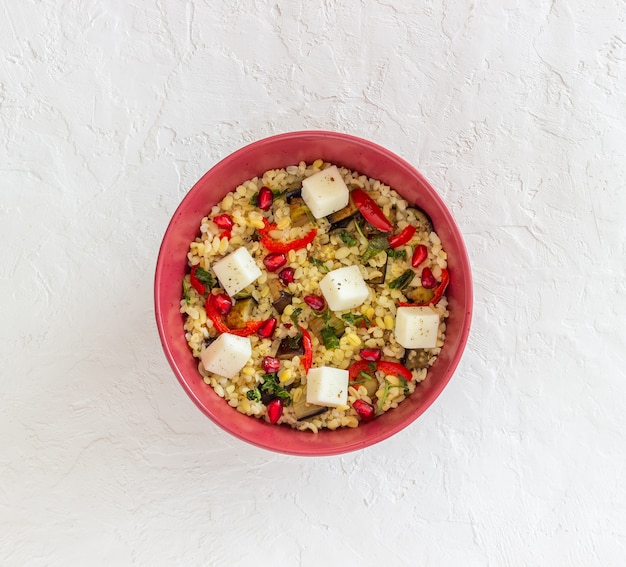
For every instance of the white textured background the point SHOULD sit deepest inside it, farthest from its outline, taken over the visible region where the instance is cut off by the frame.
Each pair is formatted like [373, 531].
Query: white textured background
[110, 110]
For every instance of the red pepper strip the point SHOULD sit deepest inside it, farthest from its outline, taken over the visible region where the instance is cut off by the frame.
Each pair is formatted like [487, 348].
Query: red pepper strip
[357, 367]
[395, 369]
[370, 210]
[389, 368]
[195, 282]
[402, 237]
[307, 343]
[438, 292]
[275, 246]
[218, 321]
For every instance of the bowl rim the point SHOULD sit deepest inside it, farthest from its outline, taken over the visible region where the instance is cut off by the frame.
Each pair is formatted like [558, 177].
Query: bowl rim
[270, 442]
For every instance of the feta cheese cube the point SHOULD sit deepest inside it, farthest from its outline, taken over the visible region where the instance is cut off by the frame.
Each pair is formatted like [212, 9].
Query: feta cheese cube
[227, 355]
[325, 192]
[327, 386]
[417, 327]
[236, 271]
[344, 288]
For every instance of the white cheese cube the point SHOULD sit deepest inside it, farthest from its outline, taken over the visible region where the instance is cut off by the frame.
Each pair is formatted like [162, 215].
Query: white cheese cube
[325, 192]
[236, 271]
[417, 327]
[327, 386]
[344, 288]
[227, 355]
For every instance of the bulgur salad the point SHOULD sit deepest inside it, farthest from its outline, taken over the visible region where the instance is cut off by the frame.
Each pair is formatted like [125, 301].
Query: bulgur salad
[315, 297]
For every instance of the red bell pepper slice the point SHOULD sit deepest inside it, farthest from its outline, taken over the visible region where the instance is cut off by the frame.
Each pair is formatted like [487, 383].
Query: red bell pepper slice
[386, 366]
[395, 369]
[195, 282]
[307, 343]
[284, 247]
[371, 212]
[220, 325]
[402, 237]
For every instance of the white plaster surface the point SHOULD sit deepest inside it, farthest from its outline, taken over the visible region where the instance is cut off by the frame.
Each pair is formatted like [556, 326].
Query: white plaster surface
[110, 110]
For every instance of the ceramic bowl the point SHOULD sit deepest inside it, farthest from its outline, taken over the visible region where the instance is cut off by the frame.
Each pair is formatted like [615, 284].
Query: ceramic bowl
[252, 160]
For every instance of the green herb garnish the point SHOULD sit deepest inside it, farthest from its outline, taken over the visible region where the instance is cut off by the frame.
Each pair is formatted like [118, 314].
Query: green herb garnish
[204, 277]
[365, 375]
[330, 339]
[403, 280]
[383, 398]
[319, 264]
[375, 246]
[397, 253]
[347, 238]
[272, 387]
[254, 395]
[356, 319]
[186, 292]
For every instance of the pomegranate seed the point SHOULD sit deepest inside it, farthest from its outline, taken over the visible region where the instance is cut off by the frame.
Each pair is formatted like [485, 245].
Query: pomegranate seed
[223, 303]
[370, 354]
[224, 221]
[364, 410]
[265, 199]
[286, 275]
[267, 328]
[274, 260]
[270, 364]
[275, 410]
[419, 255]
[428, 280]
[315, 302]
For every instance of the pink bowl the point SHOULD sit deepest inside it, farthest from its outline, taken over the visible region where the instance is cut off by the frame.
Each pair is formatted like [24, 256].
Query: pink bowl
[252, 160]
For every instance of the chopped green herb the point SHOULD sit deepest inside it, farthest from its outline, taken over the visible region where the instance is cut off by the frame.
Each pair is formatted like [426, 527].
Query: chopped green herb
[186, 292]
[383, 398]
[356, 319]
[319, 264]
[397, 253]
[254, 395]
[330, 338]
[272, 387]
[294, 317]
[204, 277]
[403, 280]
[347, 238]
[365, 375]
[375, 246]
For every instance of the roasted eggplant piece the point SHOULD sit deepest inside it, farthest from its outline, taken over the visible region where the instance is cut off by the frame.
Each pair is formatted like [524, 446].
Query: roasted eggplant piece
[302, 410]
[293, 190]
[342, 217]
[416, 358]
[299, 212]
[317, 326]
[290, 347]
[280, 297]
[420, 295]
[283, 300]
[241, 313]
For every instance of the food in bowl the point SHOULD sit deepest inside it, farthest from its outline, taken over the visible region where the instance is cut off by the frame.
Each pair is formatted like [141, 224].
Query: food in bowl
[315, 297]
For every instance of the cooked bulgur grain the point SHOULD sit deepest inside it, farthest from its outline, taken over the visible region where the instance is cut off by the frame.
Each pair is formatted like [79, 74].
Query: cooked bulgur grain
[369, 326]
